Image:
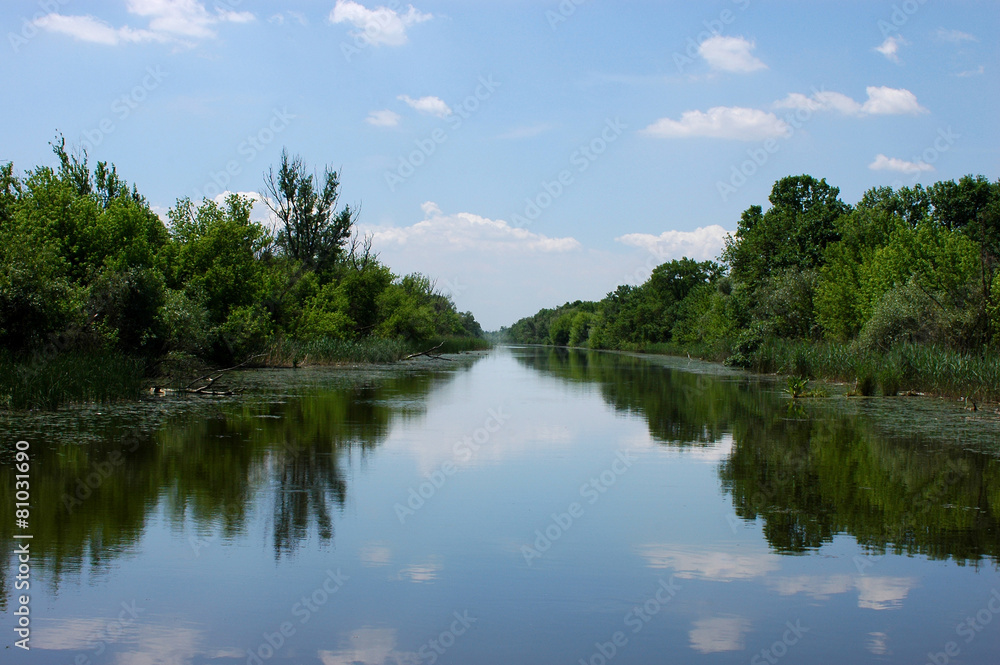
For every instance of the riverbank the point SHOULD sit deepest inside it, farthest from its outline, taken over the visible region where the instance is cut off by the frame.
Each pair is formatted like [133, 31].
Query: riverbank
[297, 353]
[904, 369]
[46, 381]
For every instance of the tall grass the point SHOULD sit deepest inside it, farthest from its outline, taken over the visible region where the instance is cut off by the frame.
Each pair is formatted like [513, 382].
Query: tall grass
[905, 367]
[49, 381]
[713, 352]
[326, 351]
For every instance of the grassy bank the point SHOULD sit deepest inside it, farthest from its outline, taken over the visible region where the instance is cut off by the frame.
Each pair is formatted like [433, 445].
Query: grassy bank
[904, 368]
[46, 381]
[293, 353]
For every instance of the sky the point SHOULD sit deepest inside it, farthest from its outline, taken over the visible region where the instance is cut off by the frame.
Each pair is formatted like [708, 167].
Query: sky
[521, 153]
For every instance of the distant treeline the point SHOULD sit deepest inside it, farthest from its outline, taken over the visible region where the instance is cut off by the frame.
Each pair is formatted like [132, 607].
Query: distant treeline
[816, 286]
[87, 267]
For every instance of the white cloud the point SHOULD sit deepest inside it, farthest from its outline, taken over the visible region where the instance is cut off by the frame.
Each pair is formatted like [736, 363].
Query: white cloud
[429, 105]
[954, 36]
[972, 72]
[891, 101]
[722, 122]
[702, 244]
[883, 163]
[169, 20]
[821, 101]
[187, 18]
[890, 47]
[90, 29]
[465, 231]
[730, 54]
[298, 17]
[379, 26]
[719, 634]
[500, 272]
[384, 118]
[881, 100]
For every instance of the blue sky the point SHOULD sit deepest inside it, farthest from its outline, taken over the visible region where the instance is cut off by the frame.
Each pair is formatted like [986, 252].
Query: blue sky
[521, 152]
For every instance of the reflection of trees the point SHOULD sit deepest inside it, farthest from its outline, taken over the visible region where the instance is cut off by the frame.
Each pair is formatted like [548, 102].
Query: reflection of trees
[680, 407]
[808, 477]
[96, 480]
[90, 500]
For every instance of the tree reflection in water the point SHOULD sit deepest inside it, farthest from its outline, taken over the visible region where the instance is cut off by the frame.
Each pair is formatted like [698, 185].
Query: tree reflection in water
[99, 476]
[813, 470]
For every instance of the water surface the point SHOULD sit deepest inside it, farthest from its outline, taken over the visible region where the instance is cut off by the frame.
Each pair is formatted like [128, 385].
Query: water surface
[529, 506]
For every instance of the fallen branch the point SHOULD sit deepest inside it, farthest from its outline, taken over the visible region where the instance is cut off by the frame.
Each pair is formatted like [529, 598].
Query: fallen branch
[209, 379]
[429, 353]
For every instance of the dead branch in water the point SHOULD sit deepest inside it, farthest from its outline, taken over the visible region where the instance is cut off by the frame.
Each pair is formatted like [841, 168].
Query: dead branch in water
[429, 353]
[208, 379]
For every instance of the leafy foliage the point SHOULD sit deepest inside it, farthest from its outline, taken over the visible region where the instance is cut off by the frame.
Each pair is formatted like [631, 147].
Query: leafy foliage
[905, 268]
[87, 267]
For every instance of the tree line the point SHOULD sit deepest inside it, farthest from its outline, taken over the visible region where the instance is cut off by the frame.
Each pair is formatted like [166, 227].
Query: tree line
[913, 266]
[86, 266]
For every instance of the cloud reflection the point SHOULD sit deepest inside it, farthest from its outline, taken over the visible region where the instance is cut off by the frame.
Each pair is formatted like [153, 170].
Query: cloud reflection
[718, 634]
[706, 565]
[874, 593]
[368, 646]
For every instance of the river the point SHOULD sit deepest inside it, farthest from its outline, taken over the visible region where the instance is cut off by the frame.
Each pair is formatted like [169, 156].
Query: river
[525, 505]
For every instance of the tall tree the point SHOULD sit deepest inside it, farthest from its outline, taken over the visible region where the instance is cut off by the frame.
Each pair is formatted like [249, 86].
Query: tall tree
[792, 234]
[312, 230]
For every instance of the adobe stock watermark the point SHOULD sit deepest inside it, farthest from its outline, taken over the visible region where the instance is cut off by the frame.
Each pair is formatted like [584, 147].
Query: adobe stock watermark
[407, 165]
[100, 472]
[956, 472]
[968, 630]
[740, 174]
[924, 162]
[122, 107]
[463, 450]
[656, 257]
[436, 647]
[900, 16]
[779, 648]
[562, 12]
[248, 149]
[112, 631]
[579, 161]
[303, 609]
[29, 26]
[713, 28]
[592, 490]
[451, 287]
[635, 620]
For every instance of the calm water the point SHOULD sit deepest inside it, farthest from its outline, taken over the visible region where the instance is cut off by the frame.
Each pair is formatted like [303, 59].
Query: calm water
[529, 506]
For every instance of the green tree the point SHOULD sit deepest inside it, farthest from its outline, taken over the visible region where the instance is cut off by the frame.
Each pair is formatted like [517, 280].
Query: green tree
[792, 234]
[220, 257]
[312, 230]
